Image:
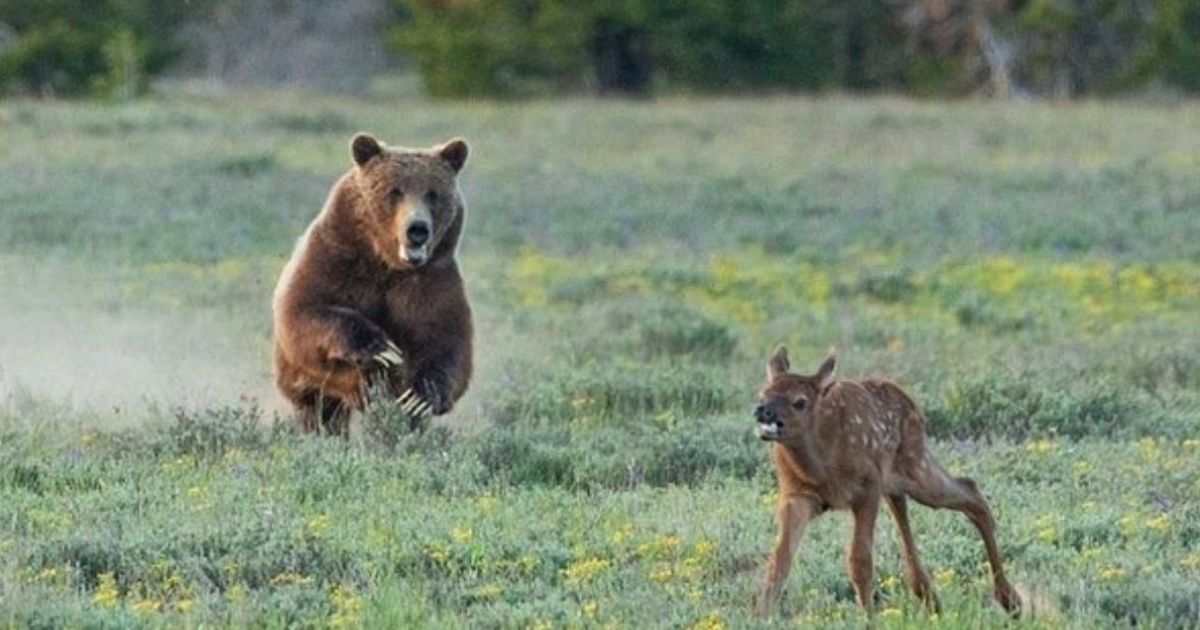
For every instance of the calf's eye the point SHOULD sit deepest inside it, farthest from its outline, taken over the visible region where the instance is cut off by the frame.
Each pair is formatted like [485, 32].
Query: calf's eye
[800, 403]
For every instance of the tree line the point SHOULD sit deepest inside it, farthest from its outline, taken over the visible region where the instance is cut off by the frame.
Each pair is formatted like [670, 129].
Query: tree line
[519, 48]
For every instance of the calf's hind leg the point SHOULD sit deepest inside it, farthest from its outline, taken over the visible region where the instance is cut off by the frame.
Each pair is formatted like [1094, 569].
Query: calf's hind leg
[860, 561]
[937, 489]
[918, 579]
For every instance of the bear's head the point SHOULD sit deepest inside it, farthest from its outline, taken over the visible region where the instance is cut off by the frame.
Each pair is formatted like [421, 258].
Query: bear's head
[410, 206]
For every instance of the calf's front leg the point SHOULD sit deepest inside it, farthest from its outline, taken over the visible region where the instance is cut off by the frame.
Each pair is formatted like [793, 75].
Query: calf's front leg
[792, 516]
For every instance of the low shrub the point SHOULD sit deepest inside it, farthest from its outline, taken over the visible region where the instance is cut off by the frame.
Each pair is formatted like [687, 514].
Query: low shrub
[605, 393]
[1020, 406]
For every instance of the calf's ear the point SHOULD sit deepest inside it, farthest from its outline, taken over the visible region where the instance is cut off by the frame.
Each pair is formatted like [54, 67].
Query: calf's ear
[828, 369]
[778, 363]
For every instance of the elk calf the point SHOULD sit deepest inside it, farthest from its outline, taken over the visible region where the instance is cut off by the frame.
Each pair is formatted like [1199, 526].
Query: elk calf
[847, 445]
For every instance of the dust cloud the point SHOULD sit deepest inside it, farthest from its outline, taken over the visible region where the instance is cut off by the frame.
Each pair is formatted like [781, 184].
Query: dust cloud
[69, 339]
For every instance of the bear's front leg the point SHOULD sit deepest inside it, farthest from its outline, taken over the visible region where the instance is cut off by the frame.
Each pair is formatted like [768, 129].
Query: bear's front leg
[434, 389]
[437, 383]
[437, 338]
[428, 394]
[331, 353]
[344, 336]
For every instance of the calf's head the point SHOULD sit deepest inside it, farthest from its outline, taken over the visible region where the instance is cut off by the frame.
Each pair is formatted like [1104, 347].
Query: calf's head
[786, 405]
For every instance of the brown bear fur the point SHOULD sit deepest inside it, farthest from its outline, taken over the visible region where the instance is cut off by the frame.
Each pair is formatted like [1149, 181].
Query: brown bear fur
[360, 281]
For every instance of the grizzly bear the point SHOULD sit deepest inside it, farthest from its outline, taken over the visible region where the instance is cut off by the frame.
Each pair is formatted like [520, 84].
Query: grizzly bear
[372, 295]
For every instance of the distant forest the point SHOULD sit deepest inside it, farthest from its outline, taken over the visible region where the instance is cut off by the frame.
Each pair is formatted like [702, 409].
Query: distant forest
[519, 48]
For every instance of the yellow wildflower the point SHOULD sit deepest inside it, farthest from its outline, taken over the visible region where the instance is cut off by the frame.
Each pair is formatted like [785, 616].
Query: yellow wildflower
[461, 534]
[622, 533]
[661, 573]
[1159, 523]
[491, 591]
[590, 610]
[47, 575]
[582, 571]
[347, 607]
[692, 569]
[945, 577]
[704, 549]
[317, 524]
[107, 594]
[437, 552]
[146, 606]
[288, 578]
[1112, 573]
[661, 547]
[712, 621]
[1148, 448]
[527, 563]
[1041, 447]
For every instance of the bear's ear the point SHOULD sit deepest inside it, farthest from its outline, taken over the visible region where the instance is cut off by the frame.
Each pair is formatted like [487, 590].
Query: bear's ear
[363, 147]
[454, 151]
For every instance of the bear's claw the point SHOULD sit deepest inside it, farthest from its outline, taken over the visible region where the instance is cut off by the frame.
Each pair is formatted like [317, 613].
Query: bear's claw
[413, 404]
[391, 357]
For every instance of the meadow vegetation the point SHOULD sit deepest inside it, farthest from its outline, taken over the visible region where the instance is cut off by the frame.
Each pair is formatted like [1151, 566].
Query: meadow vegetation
[1030, 272]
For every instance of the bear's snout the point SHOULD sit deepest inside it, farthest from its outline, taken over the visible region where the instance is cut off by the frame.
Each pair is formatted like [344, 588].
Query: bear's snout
[417, 233]
[415, 249]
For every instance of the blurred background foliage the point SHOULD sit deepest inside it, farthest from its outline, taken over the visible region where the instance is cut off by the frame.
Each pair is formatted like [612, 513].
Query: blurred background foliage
[521, 48]
[74, 47]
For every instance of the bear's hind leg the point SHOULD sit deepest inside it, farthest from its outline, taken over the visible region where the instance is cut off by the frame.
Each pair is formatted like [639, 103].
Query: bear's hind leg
[335, 418]
[318, 413]
[305, 404]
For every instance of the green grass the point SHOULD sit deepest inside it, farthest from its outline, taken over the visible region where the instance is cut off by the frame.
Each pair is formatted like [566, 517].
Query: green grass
[1030, 272]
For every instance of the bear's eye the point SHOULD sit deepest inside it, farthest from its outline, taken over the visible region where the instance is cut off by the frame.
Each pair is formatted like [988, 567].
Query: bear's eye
[431, 197]
[396, 194]
[800, 403]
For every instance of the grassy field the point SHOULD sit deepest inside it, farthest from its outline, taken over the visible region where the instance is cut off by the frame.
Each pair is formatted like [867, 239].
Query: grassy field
[1030, 272]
